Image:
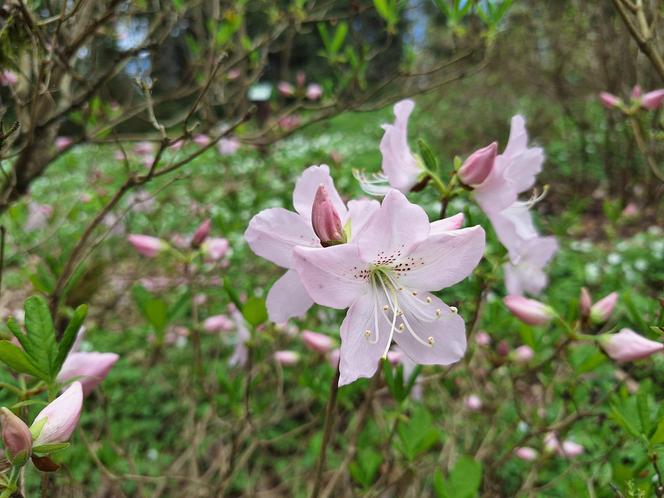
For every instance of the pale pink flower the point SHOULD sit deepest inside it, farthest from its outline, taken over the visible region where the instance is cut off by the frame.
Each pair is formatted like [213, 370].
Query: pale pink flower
[523, 354]
[385, 276]
[602, 310]
[144, 148]
[88, 368]
[320, 343]
[401, 168]
[570, 449]
[146, 245]
[627, 345]
[60, 417]
[528, 310]
[62, 143]
[201, 233]
[215, 248]
[609, 100]
[453, 222]
[585, 302]
[473, 402]
[653, 100]
[482, 338]
[201, 140]
[218, 323]
[228, 146]
[38, 216]
[242, 336]
[233, 74]
[285, 89]
[274, 233]
[314, 91]
[8, 78]
[631, 210]
[479, 164]
[16, 437]
[526, 453]
[286, 358]
[525, 274]
[290, 122]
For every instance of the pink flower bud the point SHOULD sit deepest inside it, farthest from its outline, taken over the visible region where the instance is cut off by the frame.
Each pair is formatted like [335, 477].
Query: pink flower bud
[285, 89]
[8, 78]
[90, 368]
[16, 437]
[627, 345]
[218, 323]
[146, 245]
[477, 167]
[528, 310]
[609, 100]
[601, 311]
[62, 143]
[57, 421]
[319, 343]
[201, 233]
[523, 354]
[286, 358]
[502, 349]
[177, 145]
[300, 78]
[472, 402]
[234, 74]
[636, 92]
[325, 219]
[653, 100]
[526, 454]
[314, 91]
[201, 140]
[215, 248]
[482, 338]
[570, 449]
[585, 302]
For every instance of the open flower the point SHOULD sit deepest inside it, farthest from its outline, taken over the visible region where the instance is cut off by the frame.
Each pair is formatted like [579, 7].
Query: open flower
[527, 274]
[385, 276]
[56, 422]
[274, 233]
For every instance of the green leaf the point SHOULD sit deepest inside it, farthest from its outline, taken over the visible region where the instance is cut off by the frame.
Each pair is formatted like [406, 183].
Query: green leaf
[658, 436]
[17, 360]
[624, 419]
[153, 309]
[69, 337]
[47, 449]
[254, 311]
[364, 468]
[643, 411]
[339, 37]
[40, 343]
[429, 159]
[466, 478]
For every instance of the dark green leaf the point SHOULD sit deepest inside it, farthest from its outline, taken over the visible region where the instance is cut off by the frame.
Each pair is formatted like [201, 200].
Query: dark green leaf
[254, 311]
[17, 360]
[69, 337]
[40, 345]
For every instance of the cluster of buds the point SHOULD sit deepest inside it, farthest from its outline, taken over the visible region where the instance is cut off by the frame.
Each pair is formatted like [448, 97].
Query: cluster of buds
[599, 312]
[312, 91]
[638, 100]
[49, 432]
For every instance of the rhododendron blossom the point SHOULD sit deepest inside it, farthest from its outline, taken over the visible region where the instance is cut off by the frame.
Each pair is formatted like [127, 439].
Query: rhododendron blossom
[274, 233]
[385, 276]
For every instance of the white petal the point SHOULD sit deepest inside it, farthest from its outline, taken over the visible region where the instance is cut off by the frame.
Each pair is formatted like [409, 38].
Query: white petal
[359, 214]
[307, 185]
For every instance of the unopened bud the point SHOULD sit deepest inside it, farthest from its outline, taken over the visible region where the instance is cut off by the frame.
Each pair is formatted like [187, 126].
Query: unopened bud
[585, 302]
[16, 437]
[601, 311]
[653, 100]
[528, 310]
[201, 233]
[477, 167]
[325, 219]
[609, 100]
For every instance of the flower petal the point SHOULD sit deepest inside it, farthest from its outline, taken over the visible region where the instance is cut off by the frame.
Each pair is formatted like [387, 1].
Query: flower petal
[447, 224]
[524, 162]
[273, 233]
[432, 334]
[514, 227]
[360, 353]
[287, 298]
[443, 259]
[394, 229]
[523, 278]
[359, 213]
[399, 165]
[307, 185]
[333, 276]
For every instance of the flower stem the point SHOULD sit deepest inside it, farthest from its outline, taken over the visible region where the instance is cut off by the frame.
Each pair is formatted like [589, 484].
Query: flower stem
[327, 432]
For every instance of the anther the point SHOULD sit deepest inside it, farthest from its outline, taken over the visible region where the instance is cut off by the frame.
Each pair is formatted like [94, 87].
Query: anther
[454, 309]
[431, 340]
[367, 333]
[428, 299]
[401, 328]
[438, 312]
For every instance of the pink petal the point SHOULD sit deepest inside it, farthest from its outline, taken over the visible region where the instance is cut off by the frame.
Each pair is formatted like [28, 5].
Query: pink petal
[333, 276]
[287, 298]
[89, 368]
[394, 229]
[359, 214]
[513, 227]
[447, 224]
[399, 164]
[441, 333]
[61, 415]
[444, 259]
[307, 185]
[273, 233]
[525, 162]
[360, 353]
